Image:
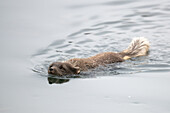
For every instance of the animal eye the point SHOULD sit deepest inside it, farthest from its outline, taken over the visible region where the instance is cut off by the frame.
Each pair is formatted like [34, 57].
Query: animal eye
[60, 67]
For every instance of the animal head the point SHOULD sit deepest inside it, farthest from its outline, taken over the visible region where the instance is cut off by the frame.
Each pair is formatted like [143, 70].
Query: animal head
[62, 68]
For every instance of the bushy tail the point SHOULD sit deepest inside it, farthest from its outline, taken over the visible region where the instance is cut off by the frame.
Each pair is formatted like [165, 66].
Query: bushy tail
[138, 47]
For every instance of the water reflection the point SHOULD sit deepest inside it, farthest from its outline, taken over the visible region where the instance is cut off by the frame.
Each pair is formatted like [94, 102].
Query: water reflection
[62, 79]
[52, 80]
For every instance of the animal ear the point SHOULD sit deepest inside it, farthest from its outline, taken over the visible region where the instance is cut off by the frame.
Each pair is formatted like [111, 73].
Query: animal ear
[77, 69]
[71, 68]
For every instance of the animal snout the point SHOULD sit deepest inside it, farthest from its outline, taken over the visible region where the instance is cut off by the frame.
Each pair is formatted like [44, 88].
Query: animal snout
[51, 69]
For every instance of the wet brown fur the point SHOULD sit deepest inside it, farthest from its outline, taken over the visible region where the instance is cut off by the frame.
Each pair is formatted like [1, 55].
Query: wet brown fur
[95, 61]
[138, 47]
[75, 65]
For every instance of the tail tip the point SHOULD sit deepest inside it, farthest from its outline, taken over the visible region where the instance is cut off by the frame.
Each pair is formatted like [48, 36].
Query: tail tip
[138, 47]
[141, 39]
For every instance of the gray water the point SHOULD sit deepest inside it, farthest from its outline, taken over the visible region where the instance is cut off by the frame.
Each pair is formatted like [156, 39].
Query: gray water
[35, 33]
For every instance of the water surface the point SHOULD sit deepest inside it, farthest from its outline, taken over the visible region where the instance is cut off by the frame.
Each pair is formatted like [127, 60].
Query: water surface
[112, 31]
[35, 33]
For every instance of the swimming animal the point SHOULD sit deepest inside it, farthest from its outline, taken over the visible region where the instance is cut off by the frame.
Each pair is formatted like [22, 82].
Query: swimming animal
[138, 47]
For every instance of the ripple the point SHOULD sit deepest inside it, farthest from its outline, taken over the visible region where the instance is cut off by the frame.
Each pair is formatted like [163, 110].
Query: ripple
[62, 46]
[111, 27]
[111, 3]
[72, 51]
[84, 31]
[147, 6]
[107, 23]
[150, 14]
[85, 41]
[127, 26]
[119, 3]
[103, 33]
[57, 42]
